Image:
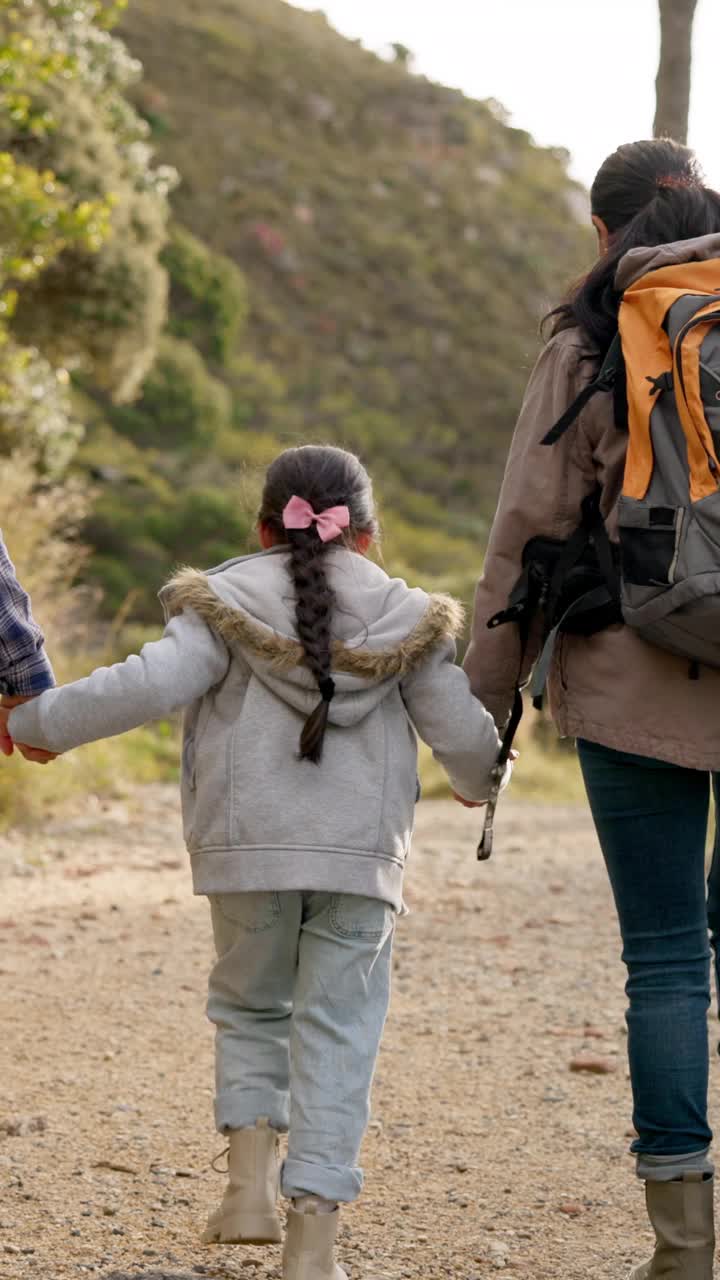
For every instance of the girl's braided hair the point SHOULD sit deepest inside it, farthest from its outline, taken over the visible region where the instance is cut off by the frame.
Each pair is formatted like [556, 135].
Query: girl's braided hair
[325, 477]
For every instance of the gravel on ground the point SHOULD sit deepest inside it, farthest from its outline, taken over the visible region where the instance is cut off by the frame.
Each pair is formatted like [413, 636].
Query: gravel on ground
[501, 1116]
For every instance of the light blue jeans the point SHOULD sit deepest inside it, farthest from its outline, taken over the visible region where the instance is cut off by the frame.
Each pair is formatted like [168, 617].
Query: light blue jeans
[299, 996]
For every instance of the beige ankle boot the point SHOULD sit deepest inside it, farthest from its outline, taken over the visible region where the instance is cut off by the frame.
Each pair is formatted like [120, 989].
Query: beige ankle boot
[682, 1216]
[248, 1213]
[309, 1245]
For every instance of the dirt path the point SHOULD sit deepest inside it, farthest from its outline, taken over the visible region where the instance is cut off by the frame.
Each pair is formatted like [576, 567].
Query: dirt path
[486, 1154]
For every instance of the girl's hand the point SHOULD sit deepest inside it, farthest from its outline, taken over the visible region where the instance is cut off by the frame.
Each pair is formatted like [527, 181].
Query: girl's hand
[480, 804]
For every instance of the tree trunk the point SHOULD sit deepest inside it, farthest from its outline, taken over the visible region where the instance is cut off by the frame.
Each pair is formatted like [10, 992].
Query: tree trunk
[673, 78]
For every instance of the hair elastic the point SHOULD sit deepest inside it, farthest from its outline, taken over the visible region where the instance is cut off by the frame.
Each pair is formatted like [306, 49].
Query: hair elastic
[671, 180]
[327, 689]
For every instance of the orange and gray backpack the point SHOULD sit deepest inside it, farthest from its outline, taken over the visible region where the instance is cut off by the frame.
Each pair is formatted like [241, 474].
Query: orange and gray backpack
[663, 576]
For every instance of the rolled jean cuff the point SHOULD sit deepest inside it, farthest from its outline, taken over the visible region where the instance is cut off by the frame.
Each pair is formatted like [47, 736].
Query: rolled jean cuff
[332, 1182]
[668, 1168]
[240, 1109]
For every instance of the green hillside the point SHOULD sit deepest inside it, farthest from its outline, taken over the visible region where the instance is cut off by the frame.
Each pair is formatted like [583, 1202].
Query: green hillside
[359, 255]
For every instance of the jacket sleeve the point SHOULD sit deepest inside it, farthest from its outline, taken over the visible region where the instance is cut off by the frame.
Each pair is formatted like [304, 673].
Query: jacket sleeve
[541, 495]
[452, 722]
[166, 675]
[24, 666]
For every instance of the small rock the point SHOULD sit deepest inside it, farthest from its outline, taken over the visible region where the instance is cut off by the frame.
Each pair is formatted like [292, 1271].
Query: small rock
[497, 1252]
[593, 1063]
[22, 869]
[19, 1126]
[10, 1248]
[554, 1095]
[230, 186]
[320, 108]
[571, 1208]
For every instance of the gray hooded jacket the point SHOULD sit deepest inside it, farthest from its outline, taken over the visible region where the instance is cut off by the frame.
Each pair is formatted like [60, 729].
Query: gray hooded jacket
[255, 816]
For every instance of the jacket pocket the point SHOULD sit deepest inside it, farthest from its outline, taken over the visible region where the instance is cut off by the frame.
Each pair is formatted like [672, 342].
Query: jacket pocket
[189, 769]
[188, 788]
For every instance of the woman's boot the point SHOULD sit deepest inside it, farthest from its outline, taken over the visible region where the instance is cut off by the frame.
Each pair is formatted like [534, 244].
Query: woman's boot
[309, 1247]
[682, 1217]
[248, 1212]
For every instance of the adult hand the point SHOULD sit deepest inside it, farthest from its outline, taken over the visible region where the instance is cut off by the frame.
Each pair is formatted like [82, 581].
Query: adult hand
[469, 804]
[6, 742]
[36, 755]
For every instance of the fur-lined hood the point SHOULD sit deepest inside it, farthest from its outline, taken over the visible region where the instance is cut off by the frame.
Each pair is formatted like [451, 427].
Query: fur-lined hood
[382, 628]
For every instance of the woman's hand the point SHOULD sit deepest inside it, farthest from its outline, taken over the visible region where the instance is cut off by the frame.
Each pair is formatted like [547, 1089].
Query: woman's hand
[469, 804]
[6, 742]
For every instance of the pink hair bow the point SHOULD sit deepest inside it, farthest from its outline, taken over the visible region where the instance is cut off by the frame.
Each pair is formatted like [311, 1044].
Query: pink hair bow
[298, 514]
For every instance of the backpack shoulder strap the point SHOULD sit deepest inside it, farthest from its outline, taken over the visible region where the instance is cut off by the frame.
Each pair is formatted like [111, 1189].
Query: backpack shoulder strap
[604, 381]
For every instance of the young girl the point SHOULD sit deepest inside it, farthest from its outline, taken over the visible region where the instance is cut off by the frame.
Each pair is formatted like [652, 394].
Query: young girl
[306, 673]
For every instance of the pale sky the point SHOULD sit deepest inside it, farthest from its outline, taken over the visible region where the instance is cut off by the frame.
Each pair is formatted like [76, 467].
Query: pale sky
[574, 73]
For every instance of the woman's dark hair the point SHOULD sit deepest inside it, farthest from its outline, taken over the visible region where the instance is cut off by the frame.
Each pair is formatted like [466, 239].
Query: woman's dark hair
[647, 193]
[324, 477]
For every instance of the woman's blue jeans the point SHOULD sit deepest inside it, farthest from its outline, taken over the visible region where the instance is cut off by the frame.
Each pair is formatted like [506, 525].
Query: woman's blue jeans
[652, 821]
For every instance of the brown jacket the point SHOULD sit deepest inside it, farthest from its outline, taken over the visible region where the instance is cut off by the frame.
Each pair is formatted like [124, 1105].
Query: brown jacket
[612, 688]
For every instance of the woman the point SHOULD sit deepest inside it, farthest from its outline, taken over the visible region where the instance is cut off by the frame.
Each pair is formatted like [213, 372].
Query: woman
[648, 737]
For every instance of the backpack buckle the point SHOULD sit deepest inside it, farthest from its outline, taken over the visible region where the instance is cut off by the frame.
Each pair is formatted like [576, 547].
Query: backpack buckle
[663, 382]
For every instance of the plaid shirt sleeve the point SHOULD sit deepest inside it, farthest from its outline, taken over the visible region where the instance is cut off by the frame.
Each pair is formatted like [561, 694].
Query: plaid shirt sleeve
[24, 667]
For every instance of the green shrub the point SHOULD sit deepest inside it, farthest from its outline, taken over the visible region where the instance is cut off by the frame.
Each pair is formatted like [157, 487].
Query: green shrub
[182, 406]
[96, 298]
[208, 297]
